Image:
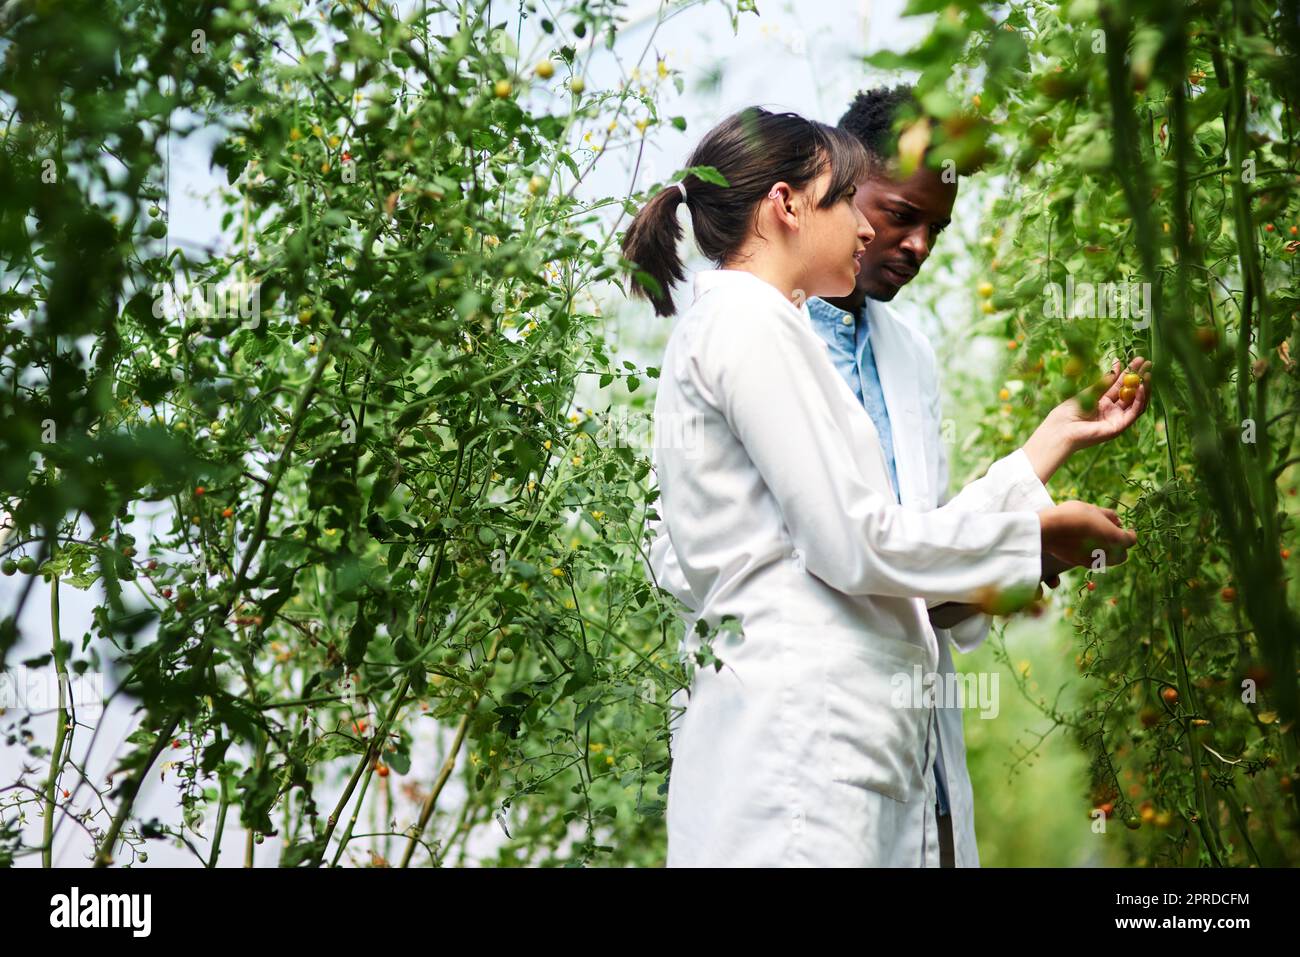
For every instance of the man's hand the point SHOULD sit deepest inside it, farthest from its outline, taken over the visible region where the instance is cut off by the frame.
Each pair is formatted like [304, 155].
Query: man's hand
[1097, 414]
[1052, 568]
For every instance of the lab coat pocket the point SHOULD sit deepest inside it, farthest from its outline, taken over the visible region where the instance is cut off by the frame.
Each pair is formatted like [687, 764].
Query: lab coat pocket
[875, 740]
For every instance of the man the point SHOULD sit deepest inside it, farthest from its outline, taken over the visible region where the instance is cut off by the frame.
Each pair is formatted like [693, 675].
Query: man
[908, 216]
[891, 370]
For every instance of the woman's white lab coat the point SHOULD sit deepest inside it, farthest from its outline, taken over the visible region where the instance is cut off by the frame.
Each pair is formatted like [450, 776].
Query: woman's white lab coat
[776, 508]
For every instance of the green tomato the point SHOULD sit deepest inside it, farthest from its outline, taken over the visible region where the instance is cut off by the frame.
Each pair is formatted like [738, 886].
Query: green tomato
[8, 566]
[27, 564]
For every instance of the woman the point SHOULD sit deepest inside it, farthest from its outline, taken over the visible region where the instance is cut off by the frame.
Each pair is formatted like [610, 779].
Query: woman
[777, 501]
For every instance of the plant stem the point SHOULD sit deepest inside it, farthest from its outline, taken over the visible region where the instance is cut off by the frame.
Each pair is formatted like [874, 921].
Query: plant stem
[60, 731]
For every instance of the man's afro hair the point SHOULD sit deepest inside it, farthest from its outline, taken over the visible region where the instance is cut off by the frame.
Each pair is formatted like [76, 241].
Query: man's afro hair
[871, 115]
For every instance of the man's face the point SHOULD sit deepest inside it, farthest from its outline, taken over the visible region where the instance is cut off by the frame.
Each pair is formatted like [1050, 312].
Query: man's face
[908, 216]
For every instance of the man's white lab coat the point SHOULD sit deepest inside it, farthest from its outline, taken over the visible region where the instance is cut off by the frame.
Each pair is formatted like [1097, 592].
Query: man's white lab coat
[777, 509]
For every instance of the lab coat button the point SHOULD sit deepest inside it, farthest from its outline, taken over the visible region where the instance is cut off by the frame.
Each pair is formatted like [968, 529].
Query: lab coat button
[847, 320]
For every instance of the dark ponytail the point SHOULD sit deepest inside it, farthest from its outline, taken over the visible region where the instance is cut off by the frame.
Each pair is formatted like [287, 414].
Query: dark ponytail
[752, 150]
[651, 245]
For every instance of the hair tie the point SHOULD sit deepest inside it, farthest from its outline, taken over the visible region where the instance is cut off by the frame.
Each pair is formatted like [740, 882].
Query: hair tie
[682, 187]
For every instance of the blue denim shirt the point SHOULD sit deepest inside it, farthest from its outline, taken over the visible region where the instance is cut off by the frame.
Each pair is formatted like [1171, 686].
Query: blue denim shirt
[848, 340]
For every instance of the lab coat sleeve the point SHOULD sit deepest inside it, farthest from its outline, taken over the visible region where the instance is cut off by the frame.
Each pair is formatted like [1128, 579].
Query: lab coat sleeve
[768, 378]
[1011, 484]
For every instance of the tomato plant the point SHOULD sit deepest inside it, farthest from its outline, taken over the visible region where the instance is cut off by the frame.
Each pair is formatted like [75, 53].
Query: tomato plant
[329, 473]
[1135, 159]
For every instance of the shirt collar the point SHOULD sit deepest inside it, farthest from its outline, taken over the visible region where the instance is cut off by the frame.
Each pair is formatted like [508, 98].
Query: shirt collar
[824, 313]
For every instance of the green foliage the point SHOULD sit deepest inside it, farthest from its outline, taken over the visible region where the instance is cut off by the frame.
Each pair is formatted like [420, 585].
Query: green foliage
[1155, 143]
[373, 496]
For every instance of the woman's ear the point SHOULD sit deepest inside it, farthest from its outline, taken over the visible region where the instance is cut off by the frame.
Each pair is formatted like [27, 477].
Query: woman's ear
[784, 205]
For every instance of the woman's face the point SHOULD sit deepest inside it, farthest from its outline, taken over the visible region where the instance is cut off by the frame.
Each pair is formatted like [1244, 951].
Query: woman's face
[833, 243]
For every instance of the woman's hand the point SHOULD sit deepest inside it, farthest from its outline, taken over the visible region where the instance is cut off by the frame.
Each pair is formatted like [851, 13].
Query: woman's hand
[1074, 531]
[1070, 427]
